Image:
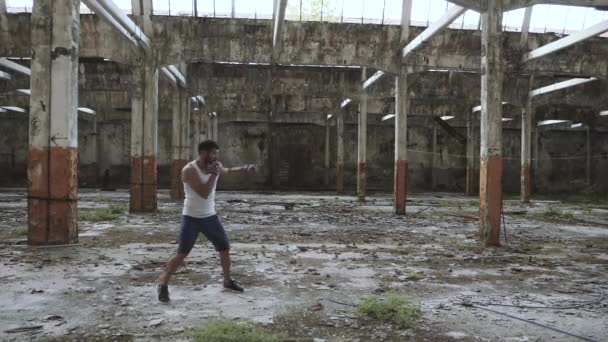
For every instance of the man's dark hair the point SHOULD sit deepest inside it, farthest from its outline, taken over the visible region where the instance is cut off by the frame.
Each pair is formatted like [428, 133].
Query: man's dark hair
[207, 146]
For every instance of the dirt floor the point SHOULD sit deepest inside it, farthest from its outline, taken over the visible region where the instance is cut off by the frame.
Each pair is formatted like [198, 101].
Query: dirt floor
[294, 251]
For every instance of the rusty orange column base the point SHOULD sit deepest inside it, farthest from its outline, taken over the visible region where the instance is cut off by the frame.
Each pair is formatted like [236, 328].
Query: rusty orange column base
[362, 181]
[177, 187]
[490, 200]
[143, 185]
[340, 179]
[470, 184]
[526, 184]
[400, 186]
[52, 196]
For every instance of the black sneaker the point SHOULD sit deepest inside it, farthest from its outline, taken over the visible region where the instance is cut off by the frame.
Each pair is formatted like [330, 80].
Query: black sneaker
[163, 293]
[233, 286]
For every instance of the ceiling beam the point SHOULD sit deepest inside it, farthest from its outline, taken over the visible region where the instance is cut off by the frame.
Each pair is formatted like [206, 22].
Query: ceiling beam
[560, 85]
[126, 22]
[94, 6]
[178, 75]
[567, 41]
[375, 77]
[525, 26]
[508, 5]
[5, 75]
[406, 15]
[277, 34]
[169, 75]
[443, 22]
[15, 66]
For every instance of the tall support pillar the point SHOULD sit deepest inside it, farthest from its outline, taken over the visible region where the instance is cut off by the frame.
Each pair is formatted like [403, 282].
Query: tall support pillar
[274, 148]
[588, 166]
[53, 134]
[362, 142]
[340, 154]
[434, 163]
[470, 182]
[214, 127]
[196, 121]
[144, 135]
[401, 105]
[491, 163]
[327, 144]
[180, 142]
[527, 116]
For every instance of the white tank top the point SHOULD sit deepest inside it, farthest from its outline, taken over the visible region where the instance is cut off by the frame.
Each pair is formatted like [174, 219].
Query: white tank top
[194, 204]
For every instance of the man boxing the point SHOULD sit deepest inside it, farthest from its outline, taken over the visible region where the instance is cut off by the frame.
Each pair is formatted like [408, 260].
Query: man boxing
[199, 215]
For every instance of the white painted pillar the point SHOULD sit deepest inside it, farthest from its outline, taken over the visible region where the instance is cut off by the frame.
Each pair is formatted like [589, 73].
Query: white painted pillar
[401, 111]
[491, 163]
[144, 139]
[527, 116]
[362, 141]
[53, 121]
[180, 145]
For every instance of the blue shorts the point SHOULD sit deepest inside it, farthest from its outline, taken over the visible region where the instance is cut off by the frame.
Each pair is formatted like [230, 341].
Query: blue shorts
[210, 226]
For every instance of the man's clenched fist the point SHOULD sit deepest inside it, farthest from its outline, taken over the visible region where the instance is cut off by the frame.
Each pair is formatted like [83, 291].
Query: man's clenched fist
[216, 168]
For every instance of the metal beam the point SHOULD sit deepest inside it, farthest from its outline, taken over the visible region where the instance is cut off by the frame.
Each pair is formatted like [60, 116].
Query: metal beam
[200, 99]
[565, 42]
[126, 22]
[375, 77]
[478, 108]
[5, 75]
[15, 66]
[94, 6]
[525, 26]
[178, 75]
[14, 109]
[25, 91]
[87, 110]
[449, 17]
[406, 14]
[560, 85]
[345, 103]
[279, 18]
[169, 75]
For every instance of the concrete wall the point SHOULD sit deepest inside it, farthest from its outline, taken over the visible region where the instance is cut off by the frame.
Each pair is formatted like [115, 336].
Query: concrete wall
[302, 155]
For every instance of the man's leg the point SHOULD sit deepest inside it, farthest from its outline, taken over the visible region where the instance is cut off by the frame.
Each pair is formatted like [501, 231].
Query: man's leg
[213, 229]
[187, 238]
[225, 263]
[172, 266]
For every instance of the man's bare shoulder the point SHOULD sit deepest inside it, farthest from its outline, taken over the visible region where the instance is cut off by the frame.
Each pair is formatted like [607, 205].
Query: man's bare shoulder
[188, 169]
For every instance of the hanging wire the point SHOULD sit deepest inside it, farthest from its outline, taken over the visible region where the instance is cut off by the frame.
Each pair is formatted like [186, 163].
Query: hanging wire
[300, 10]
[547, 21]
[169, 4]
[321, 10]
[362, 10]
[383, 9]
[342, 14]
[463, 14]
[585, 18]
[505, 19]
[428, 15]
[565, 22]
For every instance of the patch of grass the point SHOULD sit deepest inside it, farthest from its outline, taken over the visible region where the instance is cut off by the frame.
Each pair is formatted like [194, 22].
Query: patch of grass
[102, 214]
[231, 331]
[553, 214]
[21, 232]
[396, 308]
[415, 276]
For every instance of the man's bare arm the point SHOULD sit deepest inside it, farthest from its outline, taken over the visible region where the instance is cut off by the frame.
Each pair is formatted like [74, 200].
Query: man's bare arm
[190, 176]
[246, 168]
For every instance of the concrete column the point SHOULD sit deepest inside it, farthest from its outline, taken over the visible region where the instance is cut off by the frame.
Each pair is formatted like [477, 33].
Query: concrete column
[340, 154]
[401, 106]
[53, 121]
[275, 152]
[144, 135]
[179, 142]
[491, 163]
[362, 142]
[588, 166]
[216, 133]
[209, 124]
[434, 158]
[3, 22]
[470, 189]
[327, 144]
[526, 143]
[197, 127]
